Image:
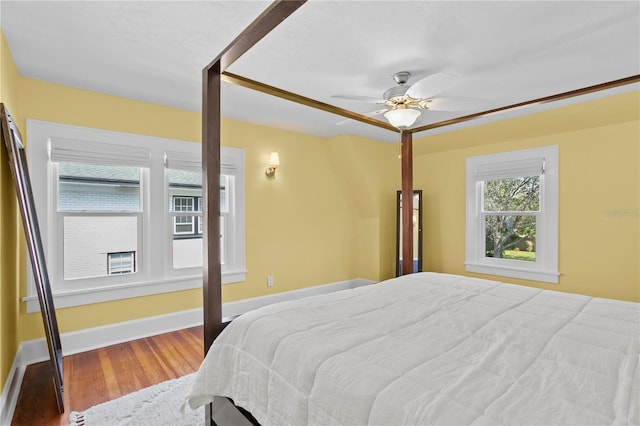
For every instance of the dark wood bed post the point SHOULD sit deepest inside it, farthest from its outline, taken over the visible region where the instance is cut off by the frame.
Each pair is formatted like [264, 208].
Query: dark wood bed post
[212, 278]
[277, 12]
[406, 139]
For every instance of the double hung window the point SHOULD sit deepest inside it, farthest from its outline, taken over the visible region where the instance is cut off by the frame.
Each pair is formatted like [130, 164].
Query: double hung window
[121, 215]
[184, 189]
[512, 214]
[184, 225]
[97, 208]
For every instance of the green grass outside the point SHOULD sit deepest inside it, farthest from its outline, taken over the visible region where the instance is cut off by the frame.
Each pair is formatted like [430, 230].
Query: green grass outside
[529, 256]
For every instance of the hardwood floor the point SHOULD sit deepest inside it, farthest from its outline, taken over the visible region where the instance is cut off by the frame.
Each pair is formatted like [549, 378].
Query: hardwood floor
[104, 374]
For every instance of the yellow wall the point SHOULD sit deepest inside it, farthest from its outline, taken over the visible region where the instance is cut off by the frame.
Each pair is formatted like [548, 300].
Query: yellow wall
[371, 173]
[323, 219]
[8, 224]
[599, 192]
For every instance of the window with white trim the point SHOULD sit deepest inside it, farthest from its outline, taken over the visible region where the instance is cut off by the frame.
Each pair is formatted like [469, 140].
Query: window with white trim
[102, 198]
[184, 189]
[512, 214]
[99, 210]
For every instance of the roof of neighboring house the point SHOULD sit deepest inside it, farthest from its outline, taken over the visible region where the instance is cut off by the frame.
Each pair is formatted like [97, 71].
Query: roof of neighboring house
[98, 173]
[184, 178]
[79, 172]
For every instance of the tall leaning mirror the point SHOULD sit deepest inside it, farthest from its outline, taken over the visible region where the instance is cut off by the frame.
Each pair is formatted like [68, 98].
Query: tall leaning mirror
[417, 232]
[18, 164]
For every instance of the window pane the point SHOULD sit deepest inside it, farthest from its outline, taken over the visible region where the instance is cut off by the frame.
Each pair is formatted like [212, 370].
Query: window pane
[222, 232]
[182, 204]
[184, 225]
[187, 253]
[89, 187]
[224, 189]
[121, 263]
[187, 183]
[88, 240]
[185, 195]
[512, 194]
[184, 189]
[510, 237]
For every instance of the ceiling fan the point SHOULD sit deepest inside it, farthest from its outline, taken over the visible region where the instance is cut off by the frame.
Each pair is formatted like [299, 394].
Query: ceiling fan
[404, 102]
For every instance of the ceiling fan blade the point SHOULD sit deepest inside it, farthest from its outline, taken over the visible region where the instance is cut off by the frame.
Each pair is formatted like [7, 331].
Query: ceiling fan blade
[360, 98]
[431, 85]
[348, 120]
[456, 104]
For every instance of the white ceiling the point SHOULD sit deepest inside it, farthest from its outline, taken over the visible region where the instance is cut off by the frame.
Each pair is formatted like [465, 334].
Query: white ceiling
[502, 52]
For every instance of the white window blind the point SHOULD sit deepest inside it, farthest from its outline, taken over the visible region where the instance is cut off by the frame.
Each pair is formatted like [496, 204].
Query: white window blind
[509, 169]
[76, 151]
[193, 163]
[182, 161]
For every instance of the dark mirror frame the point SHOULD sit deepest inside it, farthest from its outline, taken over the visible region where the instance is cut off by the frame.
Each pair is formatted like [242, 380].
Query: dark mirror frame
[417, 192]
[18, 164]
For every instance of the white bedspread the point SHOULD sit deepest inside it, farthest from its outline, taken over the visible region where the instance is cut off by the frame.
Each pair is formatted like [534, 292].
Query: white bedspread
[431, 349]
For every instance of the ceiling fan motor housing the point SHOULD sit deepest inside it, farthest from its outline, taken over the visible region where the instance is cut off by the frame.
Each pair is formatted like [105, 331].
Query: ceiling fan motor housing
[396, 94]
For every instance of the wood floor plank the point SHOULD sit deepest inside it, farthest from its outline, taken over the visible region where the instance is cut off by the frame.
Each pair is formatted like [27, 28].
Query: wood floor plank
[84, 371]
[100, 375]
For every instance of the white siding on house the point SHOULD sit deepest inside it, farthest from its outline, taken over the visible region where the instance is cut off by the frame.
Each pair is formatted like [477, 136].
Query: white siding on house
[74, 196]
[187, 253]
[88, 241]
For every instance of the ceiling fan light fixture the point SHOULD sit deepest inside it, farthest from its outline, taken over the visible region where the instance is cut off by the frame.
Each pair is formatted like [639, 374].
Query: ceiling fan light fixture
[402, 118]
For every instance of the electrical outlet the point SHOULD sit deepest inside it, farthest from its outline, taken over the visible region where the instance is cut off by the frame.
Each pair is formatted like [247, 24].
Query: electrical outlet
[269, 281]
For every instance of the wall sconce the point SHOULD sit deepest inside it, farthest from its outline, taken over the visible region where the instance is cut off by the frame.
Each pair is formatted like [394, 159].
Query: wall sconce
[274, 162]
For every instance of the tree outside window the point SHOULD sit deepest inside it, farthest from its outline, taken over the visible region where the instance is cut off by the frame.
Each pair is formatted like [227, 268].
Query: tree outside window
[510, 208]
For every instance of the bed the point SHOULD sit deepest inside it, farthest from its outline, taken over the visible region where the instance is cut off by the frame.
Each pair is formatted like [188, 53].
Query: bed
[431, 348]
[420, 349]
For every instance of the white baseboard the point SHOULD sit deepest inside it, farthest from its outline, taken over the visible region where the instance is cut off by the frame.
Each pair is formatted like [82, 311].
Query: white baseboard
[11, 389]
[98, 337]
[33, 351]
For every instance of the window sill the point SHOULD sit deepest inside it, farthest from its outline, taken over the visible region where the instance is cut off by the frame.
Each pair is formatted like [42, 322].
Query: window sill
[542, 275]
[236, 276]
[70, 298]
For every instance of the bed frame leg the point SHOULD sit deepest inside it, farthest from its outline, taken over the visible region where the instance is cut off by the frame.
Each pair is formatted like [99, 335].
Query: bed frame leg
[208, 415]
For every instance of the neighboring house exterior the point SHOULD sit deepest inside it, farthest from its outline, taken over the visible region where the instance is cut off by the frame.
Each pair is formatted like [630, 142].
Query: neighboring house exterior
[106, 241]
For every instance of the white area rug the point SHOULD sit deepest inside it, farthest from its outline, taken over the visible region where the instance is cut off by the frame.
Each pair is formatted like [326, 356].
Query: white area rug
[155, 405]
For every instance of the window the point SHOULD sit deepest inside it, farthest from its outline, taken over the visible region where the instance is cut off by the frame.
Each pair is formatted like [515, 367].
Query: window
[121, 263]
[184, 189]
[512, 214]
[102, 200]
[99, 208]
[510, 210]
[184, 225]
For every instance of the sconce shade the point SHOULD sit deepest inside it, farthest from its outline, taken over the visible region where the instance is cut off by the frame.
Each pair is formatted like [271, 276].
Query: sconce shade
[274, 162]
[402, 118]
[274, 159]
